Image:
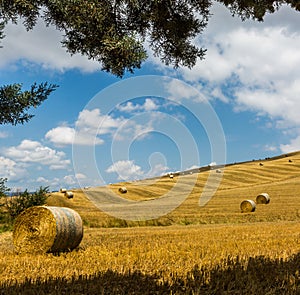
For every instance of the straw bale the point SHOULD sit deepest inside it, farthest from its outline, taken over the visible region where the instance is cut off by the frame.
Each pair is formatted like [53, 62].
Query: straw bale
[123, 190]
[43, 229]
[63, 190]
[248, 206]
[263, 198]
[69, 195]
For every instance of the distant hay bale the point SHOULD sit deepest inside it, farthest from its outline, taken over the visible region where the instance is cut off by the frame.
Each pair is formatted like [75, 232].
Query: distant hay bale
[261, 164]
[171, 175]
[44, 229]
[123, 190]
[248, 206]
[290, 161]
[263, 198]
[219, 171]
[63, 190]
[69, 195]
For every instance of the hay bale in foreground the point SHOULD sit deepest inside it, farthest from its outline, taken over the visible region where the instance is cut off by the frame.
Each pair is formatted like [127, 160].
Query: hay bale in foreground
[123, 190]
[263, 198]
[248, 206]
[69, 195]
[44, 229]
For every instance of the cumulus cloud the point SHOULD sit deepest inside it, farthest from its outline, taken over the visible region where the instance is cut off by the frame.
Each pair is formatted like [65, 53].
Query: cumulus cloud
[148, 106]
[126, 170]
[80, 176]
[157, 170]
[40, 46]
[89, 125]
[253, 66]
[62, 135]
[70, 180]
[294, 145]
[29, 151]
[11, 170]
[179, 91]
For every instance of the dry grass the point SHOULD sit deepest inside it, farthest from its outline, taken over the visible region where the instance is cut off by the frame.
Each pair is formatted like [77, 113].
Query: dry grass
[221, 251]
[279, 178]
[169, 257]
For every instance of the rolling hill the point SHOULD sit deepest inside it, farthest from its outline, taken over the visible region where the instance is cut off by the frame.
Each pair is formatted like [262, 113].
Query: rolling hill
[229, 186]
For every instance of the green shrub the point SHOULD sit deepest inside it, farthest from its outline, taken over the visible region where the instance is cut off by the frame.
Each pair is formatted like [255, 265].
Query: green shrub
[18, 204]
[3, 188]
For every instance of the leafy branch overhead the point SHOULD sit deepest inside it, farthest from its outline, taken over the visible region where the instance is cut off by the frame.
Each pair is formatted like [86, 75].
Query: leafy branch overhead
[15, 103]
[113, 32]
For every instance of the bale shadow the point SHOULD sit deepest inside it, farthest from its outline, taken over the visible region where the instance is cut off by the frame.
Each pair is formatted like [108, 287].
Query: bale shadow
[259, 276]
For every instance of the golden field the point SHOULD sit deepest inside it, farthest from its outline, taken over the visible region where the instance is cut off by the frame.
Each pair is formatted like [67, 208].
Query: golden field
[214, 249]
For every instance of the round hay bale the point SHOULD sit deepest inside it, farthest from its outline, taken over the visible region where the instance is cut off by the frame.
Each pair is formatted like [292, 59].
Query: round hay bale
[263, 198]
[123, 190]
[44, 229]
[171, 176]
[248, 206]
[63, 190]
[69, 195]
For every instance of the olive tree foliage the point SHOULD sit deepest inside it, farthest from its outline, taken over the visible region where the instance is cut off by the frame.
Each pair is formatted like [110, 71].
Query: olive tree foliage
[15, 102]
[113, 32]
[116, 32]
[257, 9]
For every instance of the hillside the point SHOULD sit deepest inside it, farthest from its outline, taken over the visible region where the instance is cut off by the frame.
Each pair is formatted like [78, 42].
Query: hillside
[278, 176]
[219, 250]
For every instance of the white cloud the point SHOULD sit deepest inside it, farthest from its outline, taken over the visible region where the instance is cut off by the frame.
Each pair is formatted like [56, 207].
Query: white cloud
[271, 148]
[148, 106]
[51, 182]
[192, 167]
[11, 170]
[3, 134]
[157, 170]
[179, 91]
[91, 124]
[88, 126]
[61, 135]
[253, 66]
[126, 170]
[130, 129]
[34, 152]
[80, 176]
[40, 46]
[294, 145]
[42, 179]
[70, 180]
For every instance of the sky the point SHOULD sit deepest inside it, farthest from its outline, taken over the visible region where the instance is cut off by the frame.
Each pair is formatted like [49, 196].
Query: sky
[241, 103]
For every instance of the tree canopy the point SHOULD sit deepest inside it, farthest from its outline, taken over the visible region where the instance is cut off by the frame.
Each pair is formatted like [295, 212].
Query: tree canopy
[15, 103]
[116, 32]
[113, 32]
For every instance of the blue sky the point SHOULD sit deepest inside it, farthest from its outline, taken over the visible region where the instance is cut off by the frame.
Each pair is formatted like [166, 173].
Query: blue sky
[96, 128]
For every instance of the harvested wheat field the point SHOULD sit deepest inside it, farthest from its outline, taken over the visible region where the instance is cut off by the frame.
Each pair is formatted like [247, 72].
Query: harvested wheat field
[214, 249]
